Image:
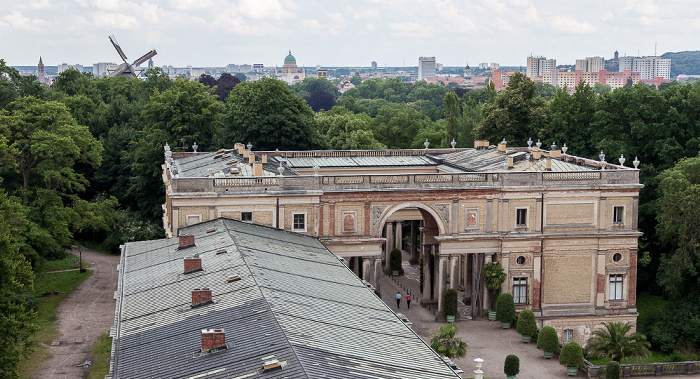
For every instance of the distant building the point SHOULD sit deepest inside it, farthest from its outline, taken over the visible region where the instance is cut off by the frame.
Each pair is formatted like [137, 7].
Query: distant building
[537, 66]
[101, 69]
[616, 56]
[570, 79]
[590, 64]
[258, 67]
[150, 63]
[494, 66]
[290, 72]
[322, 73]
[501, 78]
[374, 65]
[483, 66]
[648, 67]
[467, 71]
[426, 67]
[64, 66]
[40, 73]
[439, 67]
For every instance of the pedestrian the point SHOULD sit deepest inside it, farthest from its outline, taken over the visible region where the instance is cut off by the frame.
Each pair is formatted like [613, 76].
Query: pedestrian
[408, 300]
[398, 300]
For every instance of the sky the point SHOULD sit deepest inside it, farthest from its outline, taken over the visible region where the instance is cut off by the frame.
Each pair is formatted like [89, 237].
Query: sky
[214, 33]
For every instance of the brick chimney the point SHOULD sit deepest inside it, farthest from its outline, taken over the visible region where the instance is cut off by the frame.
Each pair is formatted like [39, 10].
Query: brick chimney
[212, 339]
[510, 162]
[502, 146]
[264, 158]
[549, 164]
[240, 147]
[481, 144]
[193, 264]
[257, 169]
[186, 240]
[201, 296]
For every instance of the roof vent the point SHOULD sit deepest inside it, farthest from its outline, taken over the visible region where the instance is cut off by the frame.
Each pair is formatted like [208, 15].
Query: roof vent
[193, 264]
[220, 251]
[201, 296]
[213, 339]
[271, 364]
[211, 230]
[186, 240]
[232, 278]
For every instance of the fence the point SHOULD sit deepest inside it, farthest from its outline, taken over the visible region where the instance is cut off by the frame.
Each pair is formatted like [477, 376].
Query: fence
[645, 369]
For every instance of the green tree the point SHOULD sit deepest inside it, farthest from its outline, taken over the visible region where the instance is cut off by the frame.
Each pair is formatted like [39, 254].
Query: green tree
[446, 344]
[344, 130]
[396, 125]
[613, 341]
[452, 114]
[494, 276]
[269, 115]
[601, 88]
[546, 90]
[14, 85]
[570, 118]
[516, 113]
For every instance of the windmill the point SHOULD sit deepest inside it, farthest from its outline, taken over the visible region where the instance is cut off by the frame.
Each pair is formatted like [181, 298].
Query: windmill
[130, 70]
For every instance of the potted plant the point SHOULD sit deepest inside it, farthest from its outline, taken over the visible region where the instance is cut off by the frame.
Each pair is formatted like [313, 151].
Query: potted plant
[450, 300]
[505, 310]
[395, 262]
[446, 344]
[511, 367]
[612, 370]
[548, 341]
[494, 276]
[526, 325]
[571, 356]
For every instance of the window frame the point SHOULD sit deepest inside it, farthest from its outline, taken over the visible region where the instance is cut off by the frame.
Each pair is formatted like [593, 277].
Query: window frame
[618, 215]
[525, 212]
[520, 283]
[567, 335]
[249, 214]
[294, 222]
[188, 216]
[616, 287]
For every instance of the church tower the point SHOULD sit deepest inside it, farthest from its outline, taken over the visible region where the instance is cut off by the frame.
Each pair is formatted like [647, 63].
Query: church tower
[41, 74]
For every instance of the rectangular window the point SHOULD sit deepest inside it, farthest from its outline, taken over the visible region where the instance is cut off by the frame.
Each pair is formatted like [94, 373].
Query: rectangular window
[520, 290]
[616, 287]
[299, 222]
[521, 217]
[618, 215]
[247, 216]
[568, 335]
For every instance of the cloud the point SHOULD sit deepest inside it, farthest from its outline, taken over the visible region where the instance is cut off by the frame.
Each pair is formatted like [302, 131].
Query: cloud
[17, 20]
[110, 20]
[262, 9]
[568, 24]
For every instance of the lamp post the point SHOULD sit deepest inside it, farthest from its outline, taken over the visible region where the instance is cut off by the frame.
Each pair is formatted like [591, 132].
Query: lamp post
[80, 250]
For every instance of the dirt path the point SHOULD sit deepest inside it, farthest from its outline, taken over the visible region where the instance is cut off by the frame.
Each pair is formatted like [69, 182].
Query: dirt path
[82, 317]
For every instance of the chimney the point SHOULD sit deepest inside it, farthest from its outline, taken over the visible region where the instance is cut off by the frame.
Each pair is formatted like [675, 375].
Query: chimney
[201, 296]
[257, 169]
[213, 339]
[186, 240]
[251, 156]
[481, 144]
[193, 264]
[549, 164]
[240, 147]
[555, 153]
[536, 153]
[510, 162]
[264, 158]
[502, 146]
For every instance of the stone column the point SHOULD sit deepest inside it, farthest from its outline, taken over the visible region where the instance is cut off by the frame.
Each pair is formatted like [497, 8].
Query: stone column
[489, 215]
[366, 273]
[176, 220]
[632, 296]
[377, 273]
[602, 210]
[280, 217]
[389, 243]
[485, 294]
[454, 263]
[537, 284]
[505, 262]
[414, 243]
[398, 243]
[355, 264]
[442, 281]
[426, 271]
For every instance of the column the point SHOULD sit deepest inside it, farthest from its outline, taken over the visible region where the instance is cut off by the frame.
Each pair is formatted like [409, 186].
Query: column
[635, 212]
[454, 220]
[318, 226]
[454, 263]
[366, 273]
[389, 242]
[539, 214]
[632, 299]
[280, 217]
[485, 294]
[442, 281]
[489, 215]
[414, 243]
[377, 273]
[426, 271]
[537, 283]
[355, 264]
[601, 213]
[505, 262]
[331, 219]
[176, 221]
[212, 212]
[398, 243]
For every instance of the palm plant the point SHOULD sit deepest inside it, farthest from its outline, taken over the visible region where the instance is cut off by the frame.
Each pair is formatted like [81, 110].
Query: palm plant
[494, 276]
[614, 342]
[445, 343]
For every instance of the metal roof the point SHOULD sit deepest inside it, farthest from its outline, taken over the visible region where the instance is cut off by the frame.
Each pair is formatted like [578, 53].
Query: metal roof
[336, 162]
[215, 164]
[481, 160]
[295, 302]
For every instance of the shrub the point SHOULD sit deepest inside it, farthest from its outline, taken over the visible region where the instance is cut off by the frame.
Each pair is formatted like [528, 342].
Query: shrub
[445, 343]
[548, 340]
[396, 260]
[612, 370]
[494, 276]
[379, 295]
[571, 355]
[450, 299]
[526, 325]
[505, 311]
[512, 365]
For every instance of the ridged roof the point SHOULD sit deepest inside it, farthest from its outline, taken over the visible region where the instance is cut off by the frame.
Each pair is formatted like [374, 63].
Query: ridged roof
[290, 58]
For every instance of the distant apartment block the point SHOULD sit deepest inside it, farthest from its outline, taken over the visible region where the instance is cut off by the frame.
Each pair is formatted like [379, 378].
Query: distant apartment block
[501, 78]
[570, 79]
[537, 66]
[483, 66]
[648, 67]
[590, 64]
[258, 67]
[64, 66]
[495, 66]
[427, 67]
[374, 65]
[101, 69]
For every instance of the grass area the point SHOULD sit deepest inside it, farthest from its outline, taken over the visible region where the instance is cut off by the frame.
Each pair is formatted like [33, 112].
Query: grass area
[655, 357]
[94, 246]
[70, 261]
[100, 357]
[64, 283]
[650, 308]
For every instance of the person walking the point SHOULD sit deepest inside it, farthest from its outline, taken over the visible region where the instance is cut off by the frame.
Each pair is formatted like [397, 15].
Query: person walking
[398, 300]
[408, 300]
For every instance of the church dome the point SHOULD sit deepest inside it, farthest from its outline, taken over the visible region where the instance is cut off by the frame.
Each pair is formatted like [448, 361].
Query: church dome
[290, 58]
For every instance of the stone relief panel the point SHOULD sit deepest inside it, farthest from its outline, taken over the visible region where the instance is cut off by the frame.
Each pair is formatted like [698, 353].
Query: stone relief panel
[444, 210]
[349, 221]
[471, 220]
[377, 211]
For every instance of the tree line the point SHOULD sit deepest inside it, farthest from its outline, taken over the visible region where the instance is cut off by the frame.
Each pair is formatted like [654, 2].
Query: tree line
[82, 160]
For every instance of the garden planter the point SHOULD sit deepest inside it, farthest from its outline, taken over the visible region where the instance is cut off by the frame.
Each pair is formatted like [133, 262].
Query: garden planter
[527, 339]
[505, 325]
[492, 315]
[548, 354]
[572, 371]
[450, 318]
[510, 376]
[395, 273]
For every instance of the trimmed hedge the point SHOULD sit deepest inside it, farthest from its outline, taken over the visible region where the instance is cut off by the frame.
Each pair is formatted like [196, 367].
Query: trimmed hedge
[450, 298]
[548, 340]
[512, 365]
[526, 325]
[505, 311]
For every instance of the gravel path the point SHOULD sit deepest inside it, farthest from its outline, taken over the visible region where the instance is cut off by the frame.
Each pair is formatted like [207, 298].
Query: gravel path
[84, 315]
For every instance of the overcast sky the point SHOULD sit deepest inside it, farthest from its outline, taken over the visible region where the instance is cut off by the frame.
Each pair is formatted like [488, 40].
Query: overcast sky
[342, 33]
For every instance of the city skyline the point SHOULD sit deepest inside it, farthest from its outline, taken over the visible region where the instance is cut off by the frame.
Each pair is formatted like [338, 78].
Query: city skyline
[205, 33]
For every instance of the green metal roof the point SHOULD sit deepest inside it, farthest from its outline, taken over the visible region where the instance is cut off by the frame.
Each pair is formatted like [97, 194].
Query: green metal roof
[290, 58]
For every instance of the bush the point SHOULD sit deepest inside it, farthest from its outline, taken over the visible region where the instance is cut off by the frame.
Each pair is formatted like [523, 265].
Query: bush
[612, 370]
[379, 295]
[526, 325]
[548, 340]
[512, 365]
[396, 260]
[450, 299]
[571, 355]
[505, 311]
[494, 276]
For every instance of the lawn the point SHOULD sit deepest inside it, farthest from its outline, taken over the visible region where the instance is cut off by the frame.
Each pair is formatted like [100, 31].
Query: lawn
[100, 357]
[650, 308]
[64, 283]
[69, 262]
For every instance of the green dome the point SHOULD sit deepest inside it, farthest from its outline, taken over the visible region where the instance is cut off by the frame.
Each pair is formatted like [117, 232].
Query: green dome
[290, 58]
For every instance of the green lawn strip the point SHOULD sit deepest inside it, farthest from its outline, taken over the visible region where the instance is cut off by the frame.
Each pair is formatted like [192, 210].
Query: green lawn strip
[69, 262]
[100, 357]
[96, 246]
[64, 283]
[650, 308]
